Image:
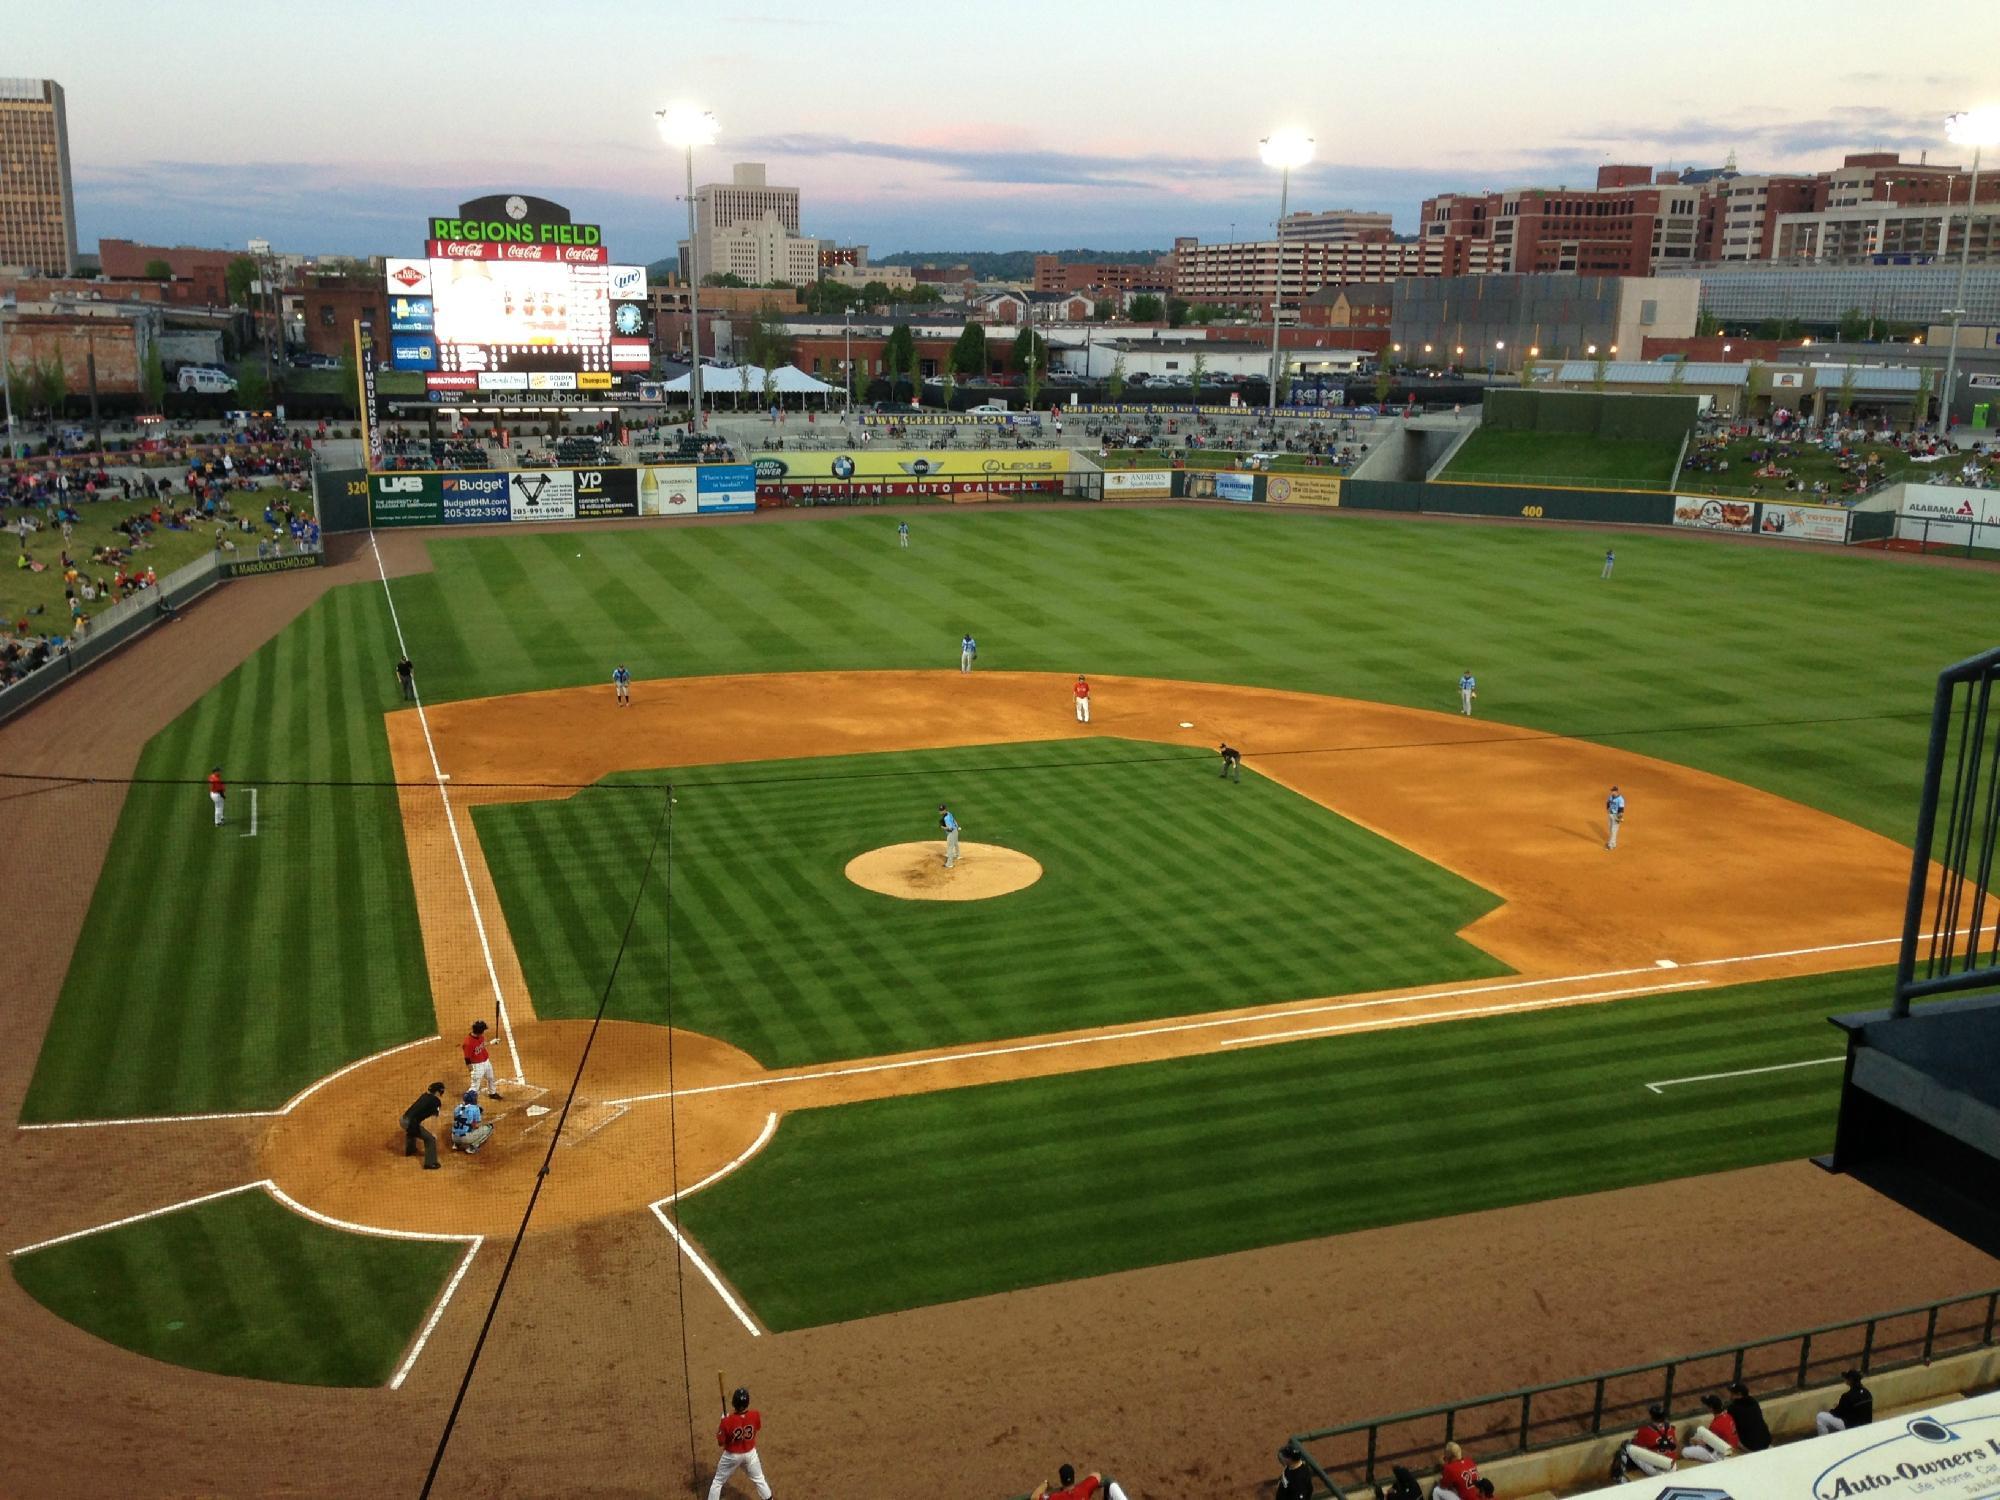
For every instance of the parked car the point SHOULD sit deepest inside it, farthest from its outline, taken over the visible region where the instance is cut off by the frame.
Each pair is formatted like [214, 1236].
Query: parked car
[310, 361]
[205, 380]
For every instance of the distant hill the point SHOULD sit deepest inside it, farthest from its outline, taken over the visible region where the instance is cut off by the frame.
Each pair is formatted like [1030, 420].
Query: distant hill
[1011, 265]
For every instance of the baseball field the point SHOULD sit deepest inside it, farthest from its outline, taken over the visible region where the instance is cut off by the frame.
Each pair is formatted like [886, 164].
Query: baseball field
[1156, 1023]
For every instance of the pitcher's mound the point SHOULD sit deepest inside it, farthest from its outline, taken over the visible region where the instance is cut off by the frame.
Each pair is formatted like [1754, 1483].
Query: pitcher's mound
[916, 872]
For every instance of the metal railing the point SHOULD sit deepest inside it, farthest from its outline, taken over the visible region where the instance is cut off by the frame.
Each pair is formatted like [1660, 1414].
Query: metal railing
[1361, 1454]
[1948, 537]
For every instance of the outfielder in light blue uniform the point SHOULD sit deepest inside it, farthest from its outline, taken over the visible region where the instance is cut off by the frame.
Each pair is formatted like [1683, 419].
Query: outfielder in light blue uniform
[903, 533]
[1610, 559]
[621, 683]
[1614, 814]
[950, 826]
[968, 652]
[1468, 689]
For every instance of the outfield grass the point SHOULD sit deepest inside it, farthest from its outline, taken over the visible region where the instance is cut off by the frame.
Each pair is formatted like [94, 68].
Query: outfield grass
[935, 1197]
[1807, 673]
[1565, 457]
[243, 1286]
[1165, 892]
[220, 972]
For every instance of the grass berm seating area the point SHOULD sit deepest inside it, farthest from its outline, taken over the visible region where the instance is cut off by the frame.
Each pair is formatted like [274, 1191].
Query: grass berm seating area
[1561, 458]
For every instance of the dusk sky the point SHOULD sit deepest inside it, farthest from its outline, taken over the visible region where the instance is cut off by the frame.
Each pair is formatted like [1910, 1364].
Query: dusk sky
[951, 127]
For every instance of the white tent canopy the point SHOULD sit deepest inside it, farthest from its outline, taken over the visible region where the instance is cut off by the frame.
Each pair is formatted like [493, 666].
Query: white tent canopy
[786, 380]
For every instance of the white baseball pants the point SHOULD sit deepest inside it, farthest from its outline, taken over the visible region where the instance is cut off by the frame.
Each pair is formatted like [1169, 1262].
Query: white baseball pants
[1613, 820]
[1083, 710]
[731, 1462]
[951, 848]
[216, 798]
[1647, 1459]
[482, 1076]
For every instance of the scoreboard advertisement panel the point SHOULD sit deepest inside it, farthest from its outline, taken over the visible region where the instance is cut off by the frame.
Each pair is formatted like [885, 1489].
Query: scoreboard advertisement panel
[511, 296]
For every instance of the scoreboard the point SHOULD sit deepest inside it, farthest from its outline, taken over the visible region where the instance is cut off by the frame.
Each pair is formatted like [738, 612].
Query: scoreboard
[510, 296]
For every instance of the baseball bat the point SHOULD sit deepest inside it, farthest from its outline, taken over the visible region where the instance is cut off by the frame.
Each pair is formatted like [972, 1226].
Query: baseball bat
[721, 1399]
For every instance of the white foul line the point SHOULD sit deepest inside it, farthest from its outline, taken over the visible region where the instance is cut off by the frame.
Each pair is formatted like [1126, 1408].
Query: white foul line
[451, 819]
[687, 1248]
[1811, 1062]
[151, 1213]
[409, 1360]
[240, 1114]
[1511, 1008]
[253, 815]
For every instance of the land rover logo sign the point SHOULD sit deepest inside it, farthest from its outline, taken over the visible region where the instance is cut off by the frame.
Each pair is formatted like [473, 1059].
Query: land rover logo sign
[843, 467]
[769, 470]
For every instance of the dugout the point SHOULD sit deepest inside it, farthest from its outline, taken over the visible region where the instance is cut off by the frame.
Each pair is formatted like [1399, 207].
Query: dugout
[1920, 1097]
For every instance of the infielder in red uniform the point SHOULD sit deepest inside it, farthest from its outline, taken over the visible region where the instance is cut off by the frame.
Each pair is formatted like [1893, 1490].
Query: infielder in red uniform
[736, 1433]
[477, 1059]
[1082, 700]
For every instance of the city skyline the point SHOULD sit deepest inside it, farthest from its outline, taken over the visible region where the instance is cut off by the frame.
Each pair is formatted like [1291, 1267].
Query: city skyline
[1115, 130]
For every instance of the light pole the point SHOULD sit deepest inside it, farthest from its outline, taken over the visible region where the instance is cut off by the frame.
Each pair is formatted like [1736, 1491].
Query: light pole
[7, 305]
[1974, 128]
[1283, 149]
[848, 314]
[688, 126]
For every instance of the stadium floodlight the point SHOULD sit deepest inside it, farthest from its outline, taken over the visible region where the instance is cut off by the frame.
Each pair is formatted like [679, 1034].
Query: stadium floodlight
[1283, 149]
[685, 126]
[1976, 128]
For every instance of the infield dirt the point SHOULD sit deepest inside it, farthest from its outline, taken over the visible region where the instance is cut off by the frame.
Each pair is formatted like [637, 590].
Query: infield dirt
[1179, 1378]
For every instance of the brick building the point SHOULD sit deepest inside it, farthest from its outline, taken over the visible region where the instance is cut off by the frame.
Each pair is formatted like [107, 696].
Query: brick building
[121, 347]
[1056, 275]
[1626, 225]
[1366, 305]
[324, 309]
[200, 276]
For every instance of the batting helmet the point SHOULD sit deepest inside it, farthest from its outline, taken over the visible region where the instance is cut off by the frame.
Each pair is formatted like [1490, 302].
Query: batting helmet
[741, 1400]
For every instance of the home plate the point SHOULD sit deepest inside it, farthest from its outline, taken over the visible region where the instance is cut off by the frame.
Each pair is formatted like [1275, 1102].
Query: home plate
[535, 1110]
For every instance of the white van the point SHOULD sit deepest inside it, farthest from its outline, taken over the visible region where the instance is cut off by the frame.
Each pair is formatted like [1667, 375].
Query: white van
[206, 380]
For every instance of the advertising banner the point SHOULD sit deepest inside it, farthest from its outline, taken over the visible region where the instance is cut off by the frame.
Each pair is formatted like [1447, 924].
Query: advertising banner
[1950, 1451]
[1707, 513]
[1944, 502]
[947, 418]
[410, 315]
[551, 380]
[1241, 488]
[472, 497]
[1303, 489]
[594, 380]
[900, 465]
[408, 278]
[503, 380]
[725, 487]
[541, 495]
[1138, 484]
[631, 354]
[413, 351]
[628, 283]
[606, 492]
[567, 255]
[1810, 523]
[404, 500]
[667, 491]
[364, 354]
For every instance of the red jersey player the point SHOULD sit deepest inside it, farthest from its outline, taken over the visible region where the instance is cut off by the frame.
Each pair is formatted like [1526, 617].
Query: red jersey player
[736, 1434]
[478, 1060]
[217, 793]
[1082, 700]
[1459, 1477]
[1073, 1488]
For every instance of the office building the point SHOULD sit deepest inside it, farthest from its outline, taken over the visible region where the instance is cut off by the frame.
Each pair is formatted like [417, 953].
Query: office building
[37, 207]
[1248, 274]
[1817, 295]
[1626, 225]
[1053, 274]
[746, 199]
[1333, 224]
